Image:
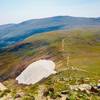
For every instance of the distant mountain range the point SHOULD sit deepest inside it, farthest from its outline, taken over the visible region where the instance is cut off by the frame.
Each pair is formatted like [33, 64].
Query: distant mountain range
[13, 33]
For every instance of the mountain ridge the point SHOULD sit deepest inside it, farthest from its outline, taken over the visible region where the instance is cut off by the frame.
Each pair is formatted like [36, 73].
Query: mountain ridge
[47, 18]
[14, 33]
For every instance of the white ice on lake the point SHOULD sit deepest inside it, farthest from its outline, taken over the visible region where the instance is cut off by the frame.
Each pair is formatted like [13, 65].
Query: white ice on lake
[36, 71]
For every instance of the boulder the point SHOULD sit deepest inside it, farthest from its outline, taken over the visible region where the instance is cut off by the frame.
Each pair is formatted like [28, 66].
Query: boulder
[81, 87]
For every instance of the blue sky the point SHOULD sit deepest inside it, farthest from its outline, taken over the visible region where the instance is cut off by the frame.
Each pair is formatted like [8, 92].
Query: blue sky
[14, 11]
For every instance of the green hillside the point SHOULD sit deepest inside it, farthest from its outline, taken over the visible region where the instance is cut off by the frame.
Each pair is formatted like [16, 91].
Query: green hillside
[82, 46]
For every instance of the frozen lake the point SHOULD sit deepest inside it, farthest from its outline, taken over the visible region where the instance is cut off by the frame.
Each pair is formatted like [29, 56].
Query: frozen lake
[36, 72]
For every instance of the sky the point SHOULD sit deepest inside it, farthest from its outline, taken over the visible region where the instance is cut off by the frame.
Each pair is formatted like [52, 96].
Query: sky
[15, 11]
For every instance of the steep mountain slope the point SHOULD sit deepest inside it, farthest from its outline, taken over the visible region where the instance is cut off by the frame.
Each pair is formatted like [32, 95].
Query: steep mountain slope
[83, 46]
[11, 34]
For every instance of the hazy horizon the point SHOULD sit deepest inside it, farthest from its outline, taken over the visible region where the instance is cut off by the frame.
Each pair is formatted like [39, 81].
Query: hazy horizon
[47, 17]
[15, 11]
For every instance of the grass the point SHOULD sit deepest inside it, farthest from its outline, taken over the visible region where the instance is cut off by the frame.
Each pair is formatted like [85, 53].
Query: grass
[82, 45]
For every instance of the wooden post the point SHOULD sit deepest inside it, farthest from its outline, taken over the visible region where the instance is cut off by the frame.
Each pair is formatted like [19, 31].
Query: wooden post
[63, 41]
[68, 61]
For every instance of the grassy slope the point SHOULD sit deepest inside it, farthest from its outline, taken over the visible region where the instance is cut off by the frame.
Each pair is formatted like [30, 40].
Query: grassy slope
[83, 46]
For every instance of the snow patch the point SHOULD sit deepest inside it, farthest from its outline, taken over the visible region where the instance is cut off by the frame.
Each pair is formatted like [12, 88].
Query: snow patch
[36, 72]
